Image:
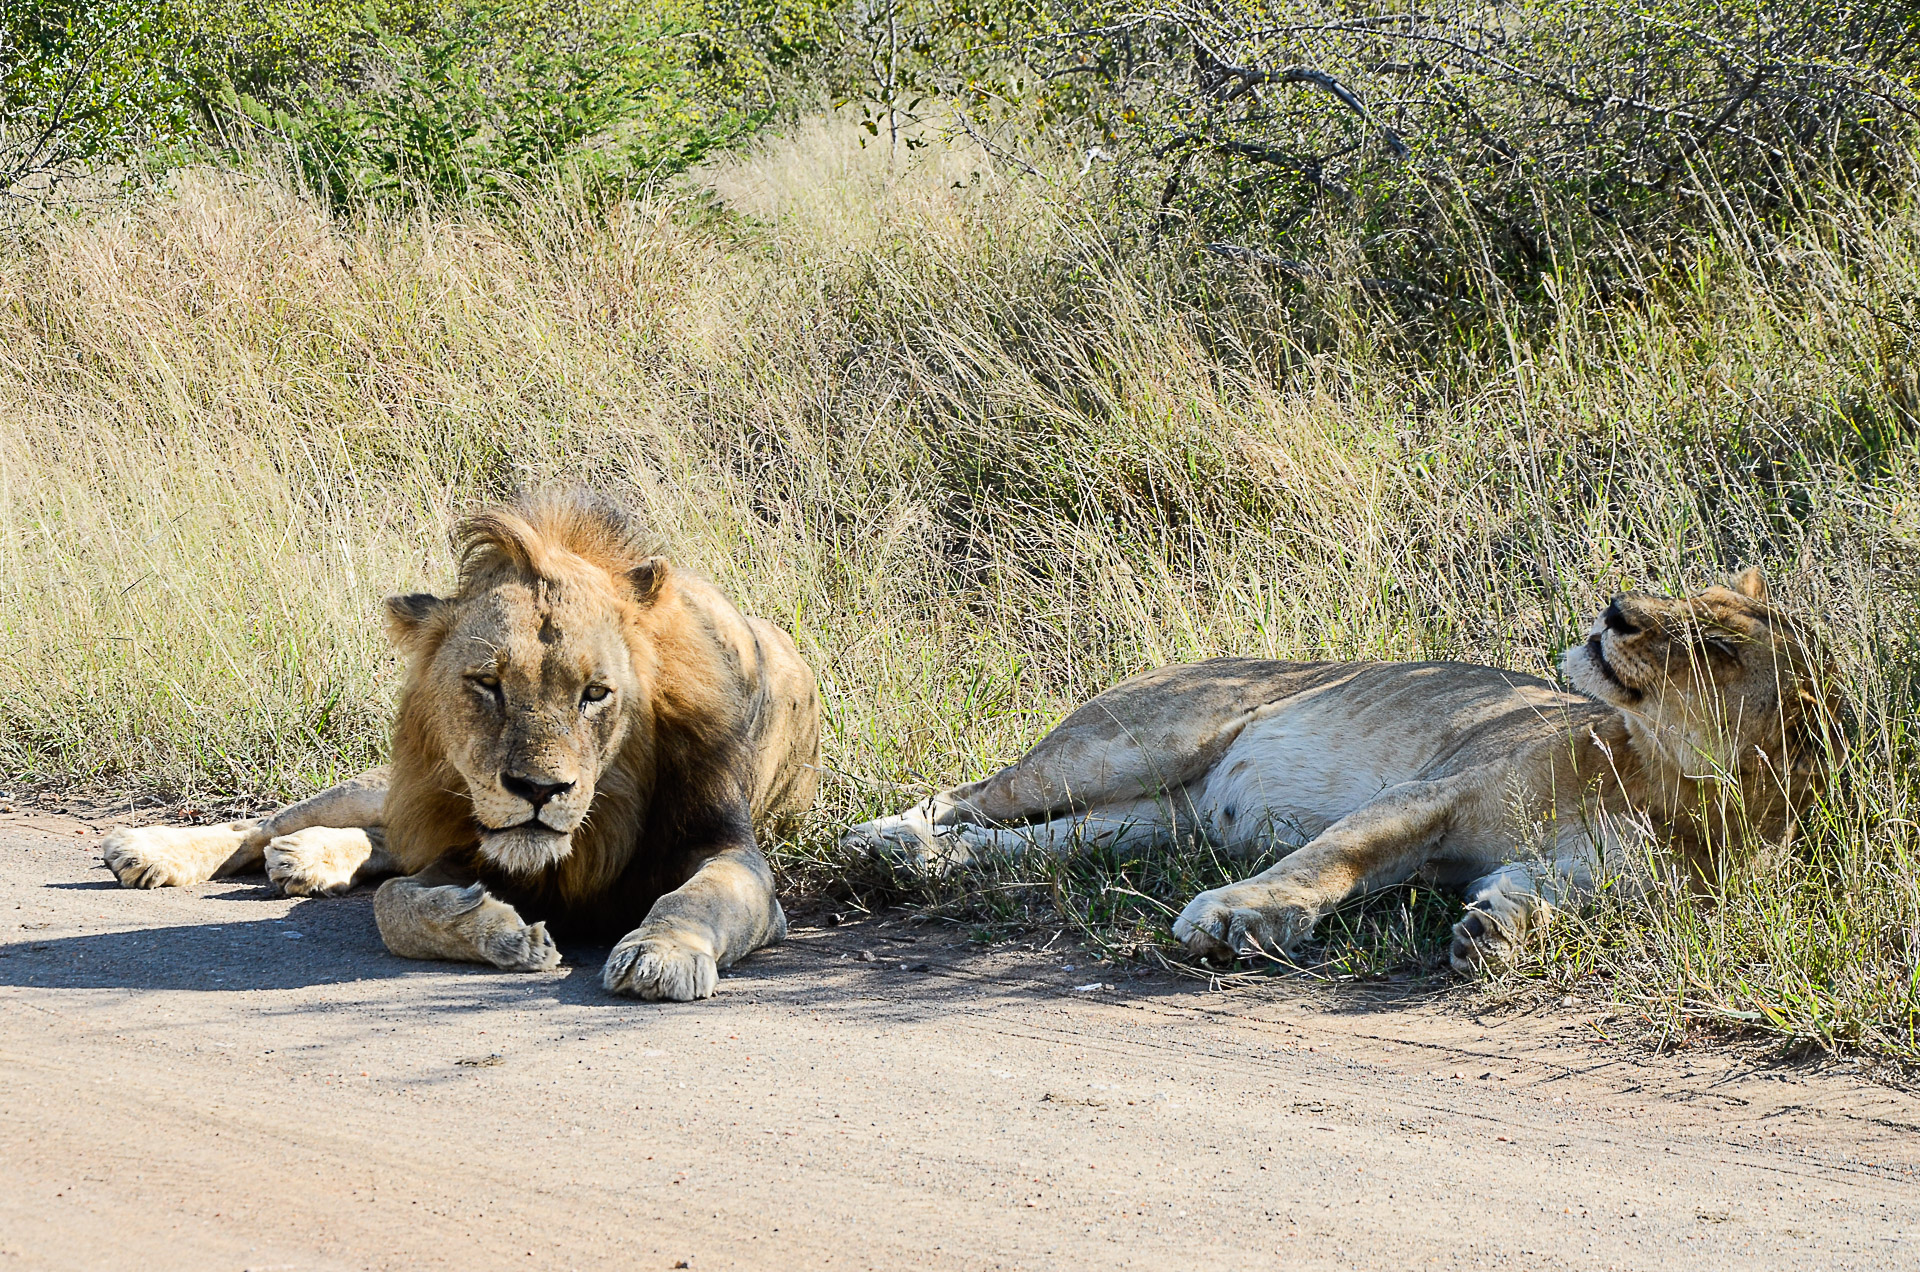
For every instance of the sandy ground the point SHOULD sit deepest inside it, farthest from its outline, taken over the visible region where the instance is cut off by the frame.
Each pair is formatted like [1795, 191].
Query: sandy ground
[214, 1077]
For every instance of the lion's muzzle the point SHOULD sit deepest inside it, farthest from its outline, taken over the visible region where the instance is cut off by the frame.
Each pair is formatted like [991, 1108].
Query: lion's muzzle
[525, 849]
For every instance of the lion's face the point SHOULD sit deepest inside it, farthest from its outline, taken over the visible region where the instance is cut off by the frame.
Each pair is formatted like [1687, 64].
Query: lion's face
[1717, 681]
[532, 687]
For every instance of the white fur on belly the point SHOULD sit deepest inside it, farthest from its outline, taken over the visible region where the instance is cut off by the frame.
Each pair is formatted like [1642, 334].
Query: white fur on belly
[1288, 777]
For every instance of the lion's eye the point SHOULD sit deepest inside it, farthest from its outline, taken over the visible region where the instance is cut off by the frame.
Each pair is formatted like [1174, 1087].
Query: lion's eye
[485, 683]
[596, 693]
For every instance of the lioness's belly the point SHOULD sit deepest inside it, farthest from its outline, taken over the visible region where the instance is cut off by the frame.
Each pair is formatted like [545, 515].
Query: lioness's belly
[1307, 761]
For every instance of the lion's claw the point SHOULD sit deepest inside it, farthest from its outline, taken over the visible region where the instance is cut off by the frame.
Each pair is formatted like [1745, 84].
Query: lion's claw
[1220, 927]
[527, 949]
[658, 967]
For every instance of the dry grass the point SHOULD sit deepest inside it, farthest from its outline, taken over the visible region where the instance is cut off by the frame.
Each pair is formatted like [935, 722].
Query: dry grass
[980, 468]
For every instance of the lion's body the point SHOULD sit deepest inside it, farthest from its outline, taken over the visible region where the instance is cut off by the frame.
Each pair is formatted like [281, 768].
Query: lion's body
[1374, 773]
[586, 738]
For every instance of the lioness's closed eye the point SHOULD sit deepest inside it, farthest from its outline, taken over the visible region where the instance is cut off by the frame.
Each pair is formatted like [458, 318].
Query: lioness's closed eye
[1701, 721]
[586, 742]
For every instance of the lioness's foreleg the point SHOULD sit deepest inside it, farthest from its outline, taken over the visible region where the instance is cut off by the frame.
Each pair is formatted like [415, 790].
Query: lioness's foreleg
[436, 914]
[1380, 844]
[174, 856]
[724, 912]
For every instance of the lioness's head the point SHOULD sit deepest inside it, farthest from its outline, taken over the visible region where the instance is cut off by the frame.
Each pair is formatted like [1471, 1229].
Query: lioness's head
[1719, 685]
[527, 682]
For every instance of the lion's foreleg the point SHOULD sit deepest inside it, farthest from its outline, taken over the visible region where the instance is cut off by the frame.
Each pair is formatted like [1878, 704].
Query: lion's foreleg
[1377, 845]
[724, 912]
[432, 916]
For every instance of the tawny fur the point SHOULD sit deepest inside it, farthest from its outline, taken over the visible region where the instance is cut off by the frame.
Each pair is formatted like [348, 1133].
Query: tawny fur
[586, 736]
[1699, 725]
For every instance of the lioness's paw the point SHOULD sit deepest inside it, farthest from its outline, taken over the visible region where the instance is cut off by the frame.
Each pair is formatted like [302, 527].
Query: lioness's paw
[1220, 926]
[521, 949]
[168, 856]
[909, 842]
[320, 861]
[1479, 941]
[659, 967]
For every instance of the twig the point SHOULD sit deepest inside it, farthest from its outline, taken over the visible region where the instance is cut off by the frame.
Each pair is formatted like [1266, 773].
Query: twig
[1307, 273]
[996, 152]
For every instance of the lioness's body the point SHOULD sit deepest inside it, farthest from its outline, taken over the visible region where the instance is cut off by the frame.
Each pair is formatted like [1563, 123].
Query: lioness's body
[1375, 773]
[586, 742]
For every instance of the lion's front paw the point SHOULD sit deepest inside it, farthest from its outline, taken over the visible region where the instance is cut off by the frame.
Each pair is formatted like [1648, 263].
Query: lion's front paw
[320, 861]
[657, 967]
[169, 856]
[909, 842]
[1226, 923]
[521, 949]
[1480, 942]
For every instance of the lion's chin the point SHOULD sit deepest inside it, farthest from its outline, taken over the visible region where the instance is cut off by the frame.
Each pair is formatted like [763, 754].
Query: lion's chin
[1587, 672]
[525, 850]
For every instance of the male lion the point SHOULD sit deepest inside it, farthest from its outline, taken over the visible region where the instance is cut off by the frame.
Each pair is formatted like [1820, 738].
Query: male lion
[1695, 718]
[586, 737]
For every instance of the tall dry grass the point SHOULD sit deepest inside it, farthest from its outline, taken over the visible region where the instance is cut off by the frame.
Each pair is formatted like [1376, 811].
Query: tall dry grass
[921, 416]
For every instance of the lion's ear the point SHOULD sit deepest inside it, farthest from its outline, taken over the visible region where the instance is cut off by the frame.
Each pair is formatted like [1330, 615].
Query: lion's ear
[648, 578]
[1751, 583]
[408, 615]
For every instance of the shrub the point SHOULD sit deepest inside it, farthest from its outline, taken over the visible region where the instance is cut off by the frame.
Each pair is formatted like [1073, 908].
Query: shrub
[463, 113]
[1459, 152]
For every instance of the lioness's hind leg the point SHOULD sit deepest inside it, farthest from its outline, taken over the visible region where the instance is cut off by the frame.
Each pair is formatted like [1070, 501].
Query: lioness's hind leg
[419, 918]
[175, 856]
[324, 861]
[923, 837]
[1503, 908]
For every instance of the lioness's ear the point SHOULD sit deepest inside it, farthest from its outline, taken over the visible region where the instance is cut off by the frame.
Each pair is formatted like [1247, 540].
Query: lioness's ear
[648, 578]
[1751, 583]
[407, 615]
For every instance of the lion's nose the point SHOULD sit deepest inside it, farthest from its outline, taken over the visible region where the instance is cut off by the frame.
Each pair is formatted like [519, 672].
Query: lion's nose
[533, 790]
[1616, 619]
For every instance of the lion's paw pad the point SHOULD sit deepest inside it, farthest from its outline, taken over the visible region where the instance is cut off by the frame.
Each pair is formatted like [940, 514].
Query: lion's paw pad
[1479, 942]
[658, 968]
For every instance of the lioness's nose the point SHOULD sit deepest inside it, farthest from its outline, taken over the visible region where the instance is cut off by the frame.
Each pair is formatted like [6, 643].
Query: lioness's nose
[1616, 619]
[533, 790]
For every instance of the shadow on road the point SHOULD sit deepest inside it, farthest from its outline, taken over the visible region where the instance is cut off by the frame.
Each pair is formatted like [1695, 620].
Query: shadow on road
[887, 965]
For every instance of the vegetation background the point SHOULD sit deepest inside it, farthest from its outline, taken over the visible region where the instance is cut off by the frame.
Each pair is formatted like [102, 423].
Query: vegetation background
[998, 349]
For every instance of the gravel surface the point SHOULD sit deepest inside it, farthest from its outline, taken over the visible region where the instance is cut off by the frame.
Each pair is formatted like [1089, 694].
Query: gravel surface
[215, 1077]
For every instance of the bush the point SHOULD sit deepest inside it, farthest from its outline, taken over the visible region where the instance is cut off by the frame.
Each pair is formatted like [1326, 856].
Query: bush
[1456, 152]
[464, 113]
[390, 99]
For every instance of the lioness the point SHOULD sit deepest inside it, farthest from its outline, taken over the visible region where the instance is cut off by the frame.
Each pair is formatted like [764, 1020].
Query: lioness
[1693, 718]
[586, 737]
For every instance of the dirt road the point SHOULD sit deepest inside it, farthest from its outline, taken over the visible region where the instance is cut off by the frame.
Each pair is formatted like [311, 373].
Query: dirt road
[216, 1078]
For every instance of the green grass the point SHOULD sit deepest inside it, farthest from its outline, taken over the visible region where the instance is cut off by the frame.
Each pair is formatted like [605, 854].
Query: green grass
[981, 468]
